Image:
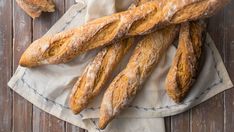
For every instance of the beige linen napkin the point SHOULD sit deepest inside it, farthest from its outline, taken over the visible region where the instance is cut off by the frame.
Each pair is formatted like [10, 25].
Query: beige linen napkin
[48, 87]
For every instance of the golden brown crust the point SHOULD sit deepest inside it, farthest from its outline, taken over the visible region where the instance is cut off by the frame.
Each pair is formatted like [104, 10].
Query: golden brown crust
[64, 46]
[184, 66]
[34, 7]
[96, 74]
[126, 84]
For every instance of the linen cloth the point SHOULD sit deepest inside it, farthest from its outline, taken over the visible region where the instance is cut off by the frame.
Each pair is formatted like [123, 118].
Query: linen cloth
[48, 87]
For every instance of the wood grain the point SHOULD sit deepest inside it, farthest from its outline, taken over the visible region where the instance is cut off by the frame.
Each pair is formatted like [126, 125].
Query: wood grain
[42, 121]
[167, 121]
[68, 4]
[229, 61]
[21, 22]
[216, 30]
[73, 128]
[5, 65]
[208, 116]
[180, 122]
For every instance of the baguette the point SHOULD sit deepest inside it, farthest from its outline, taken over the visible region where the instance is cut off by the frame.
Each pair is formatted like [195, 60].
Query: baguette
[148, 17]
[185, 64]
[127, 83]
[34, 7]
[96, 74]
[87, 87]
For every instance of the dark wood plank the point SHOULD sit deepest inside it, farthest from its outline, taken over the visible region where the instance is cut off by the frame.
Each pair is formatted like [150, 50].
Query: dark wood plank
[208, 116]
[5, 65]
[70, 127]
[73, 128]
[22, 37]
[229, 61]
[215, 27]
[42, 121]
[167, 121]
[180, 122]
[69, 3]
[229, 110]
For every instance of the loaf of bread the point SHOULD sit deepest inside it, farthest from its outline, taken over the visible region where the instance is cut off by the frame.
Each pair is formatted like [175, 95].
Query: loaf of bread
[127, 83]
[148, 17]
[97, 73]
[160, 3]
[34, 7]
[185, 64]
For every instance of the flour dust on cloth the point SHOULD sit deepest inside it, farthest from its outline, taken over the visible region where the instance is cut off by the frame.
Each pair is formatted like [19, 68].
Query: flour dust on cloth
[48, 87]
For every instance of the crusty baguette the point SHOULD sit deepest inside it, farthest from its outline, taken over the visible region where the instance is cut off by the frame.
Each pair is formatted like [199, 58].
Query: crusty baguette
[34, 7]
[64, 46]
[96, 74]
[184, 67]
[126, 84]
[160, 3]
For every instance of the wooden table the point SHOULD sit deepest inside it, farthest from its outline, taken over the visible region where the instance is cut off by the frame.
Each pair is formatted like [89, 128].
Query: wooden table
[17, 30]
